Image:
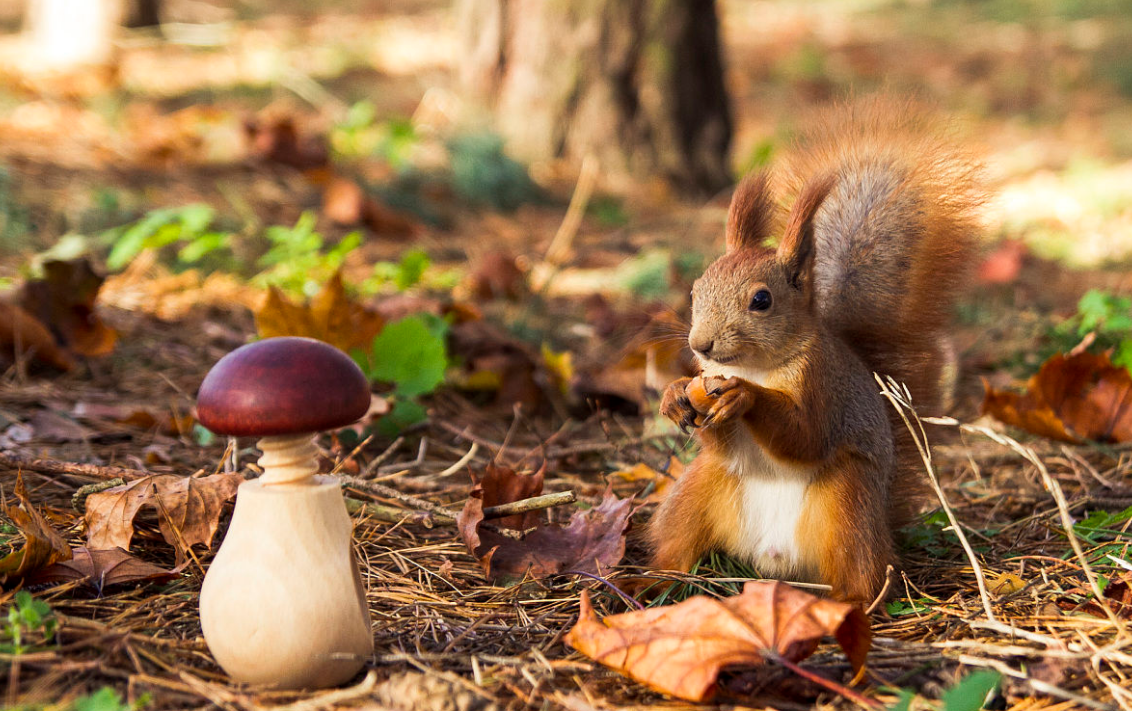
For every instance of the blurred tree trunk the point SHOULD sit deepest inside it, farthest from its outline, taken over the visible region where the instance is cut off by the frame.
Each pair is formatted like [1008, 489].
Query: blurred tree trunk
[638, 83]
[66, 34]
[69, 34]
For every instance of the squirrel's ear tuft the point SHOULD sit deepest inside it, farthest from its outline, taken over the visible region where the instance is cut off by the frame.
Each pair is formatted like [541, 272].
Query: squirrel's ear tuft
[796, 250]
[751, 216]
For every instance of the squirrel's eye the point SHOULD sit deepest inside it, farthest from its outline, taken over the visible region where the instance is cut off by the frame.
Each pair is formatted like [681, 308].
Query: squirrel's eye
[760, 301]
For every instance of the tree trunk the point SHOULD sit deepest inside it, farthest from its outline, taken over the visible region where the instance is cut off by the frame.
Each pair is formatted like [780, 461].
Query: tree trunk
[638, 83]
[67, 34]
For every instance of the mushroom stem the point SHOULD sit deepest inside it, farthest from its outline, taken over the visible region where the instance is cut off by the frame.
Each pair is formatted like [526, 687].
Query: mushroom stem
[288, 459]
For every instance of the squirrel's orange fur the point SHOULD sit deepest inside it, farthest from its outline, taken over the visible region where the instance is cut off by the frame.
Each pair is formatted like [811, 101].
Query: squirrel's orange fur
[804, 470]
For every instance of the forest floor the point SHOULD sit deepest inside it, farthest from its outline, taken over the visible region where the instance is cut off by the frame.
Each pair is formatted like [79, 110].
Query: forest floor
[204, 121]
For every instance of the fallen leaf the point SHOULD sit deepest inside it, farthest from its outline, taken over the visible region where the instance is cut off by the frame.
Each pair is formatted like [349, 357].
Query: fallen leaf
[346, 203]
[643, 472]
[277, 140]
[51, 426]
[592, 542]
[42, 543]
[491, 356]
[330, 316]
[188, 510]
[102, 569]
[680, 649]
[64, 302]
[1004, 583]
[22, 335]
[496, 275]
[1072, 398]
[1004, 264]
[136, 416]
[503, 485]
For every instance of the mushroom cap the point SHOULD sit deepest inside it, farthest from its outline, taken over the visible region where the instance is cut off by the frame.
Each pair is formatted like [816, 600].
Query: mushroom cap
[281, 386]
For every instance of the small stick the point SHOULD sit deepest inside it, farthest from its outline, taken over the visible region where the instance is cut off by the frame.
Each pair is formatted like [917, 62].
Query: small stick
[51, 466]
[535, 503]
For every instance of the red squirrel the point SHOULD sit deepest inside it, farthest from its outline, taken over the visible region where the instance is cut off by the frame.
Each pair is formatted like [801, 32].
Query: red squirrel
[804, 470]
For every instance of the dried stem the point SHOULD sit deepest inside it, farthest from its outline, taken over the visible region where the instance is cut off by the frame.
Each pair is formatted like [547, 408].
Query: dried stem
[901, 399]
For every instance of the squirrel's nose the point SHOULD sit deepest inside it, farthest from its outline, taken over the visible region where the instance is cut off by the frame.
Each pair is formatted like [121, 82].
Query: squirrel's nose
[704, 348]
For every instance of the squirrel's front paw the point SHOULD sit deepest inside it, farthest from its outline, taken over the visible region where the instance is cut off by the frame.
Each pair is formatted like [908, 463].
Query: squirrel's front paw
[733, 398]
[676, 406]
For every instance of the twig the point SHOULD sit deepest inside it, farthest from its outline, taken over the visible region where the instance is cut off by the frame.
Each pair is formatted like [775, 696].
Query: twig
[337, 698]
[559, 249]
[535, 503]
[391, 493]
[461, 462]
[822, 681]
[51, 466]
[901, 399]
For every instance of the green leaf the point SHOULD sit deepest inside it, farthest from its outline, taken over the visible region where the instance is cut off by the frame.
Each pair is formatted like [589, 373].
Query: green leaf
[105, 699]
[409, 354]
[904, 702]
[195, 250]
[412, 267]
[1123, 353]
[405, 413]
[971, 692]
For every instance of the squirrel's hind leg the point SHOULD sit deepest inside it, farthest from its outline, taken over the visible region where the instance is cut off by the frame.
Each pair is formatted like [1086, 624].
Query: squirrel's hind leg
[844, 530]
[689, 522]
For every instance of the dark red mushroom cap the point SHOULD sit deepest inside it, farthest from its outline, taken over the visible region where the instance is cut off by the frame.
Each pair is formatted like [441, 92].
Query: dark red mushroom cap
[281, 386]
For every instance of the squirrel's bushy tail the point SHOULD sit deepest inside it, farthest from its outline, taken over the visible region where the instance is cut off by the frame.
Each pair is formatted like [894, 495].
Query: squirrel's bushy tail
[894, 243]
[895, 238]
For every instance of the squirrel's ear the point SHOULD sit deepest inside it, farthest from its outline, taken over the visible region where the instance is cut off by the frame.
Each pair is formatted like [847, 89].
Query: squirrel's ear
[796, 250]
[752, 212]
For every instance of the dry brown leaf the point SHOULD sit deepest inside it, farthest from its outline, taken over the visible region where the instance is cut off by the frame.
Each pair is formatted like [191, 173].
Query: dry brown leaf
[1004, 264]
[330, 316]
[64, 302]
[496, 275]
[643, 472]
[22, 335]
[680, 649]
[592, 542]
[277, 140]
[503, 485]
[101, 569]
[346, 203]
[493, 360]
[1072, 398]
[42, 543]
[139, 417]
[188, 510]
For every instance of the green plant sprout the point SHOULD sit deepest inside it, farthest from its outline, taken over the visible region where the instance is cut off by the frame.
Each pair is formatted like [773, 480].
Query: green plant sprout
[27, 615]
[360, 134]
[106, 699]
[296, 262]
[970, 693]
[188, 225]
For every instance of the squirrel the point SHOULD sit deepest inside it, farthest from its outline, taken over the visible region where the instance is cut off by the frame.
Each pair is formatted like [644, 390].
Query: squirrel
[804, 470]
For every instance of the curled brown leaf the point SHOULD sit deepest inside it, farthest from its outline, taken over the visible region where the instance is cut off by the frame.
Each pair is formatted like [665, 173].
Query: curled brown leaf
[1072, 398]
[680, 649]
[188, 510]
[42, 543]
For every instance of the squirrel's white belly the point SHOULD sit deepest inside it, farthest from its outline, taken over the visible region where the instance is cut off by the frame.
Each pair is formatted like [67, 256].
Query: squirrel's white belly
[772, 494]
[771, 497]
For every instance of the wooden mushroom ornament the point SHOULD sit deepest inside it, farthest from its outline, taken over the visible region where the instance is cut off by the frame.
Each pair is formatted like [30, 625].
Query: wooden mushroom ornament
[282, 604]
